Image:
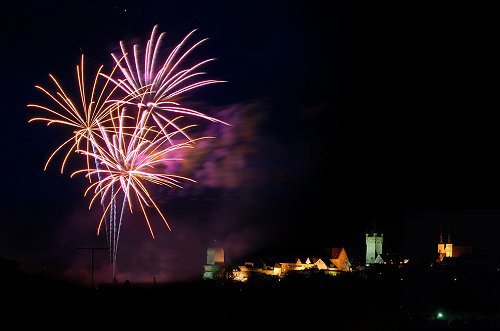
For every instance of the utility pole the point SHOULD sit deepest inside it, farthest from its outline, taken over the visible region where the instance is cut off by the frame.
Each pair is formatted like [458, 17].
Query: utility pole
[92, 261]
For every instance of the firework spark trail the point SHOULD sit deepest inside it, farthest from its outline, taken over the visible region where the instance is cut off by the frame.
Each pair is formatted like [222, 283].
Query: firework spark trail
[85, 117]
[130, 152]
[107, 226]
[82, 119]
[158, 89]
[132, 156]
[115, 247]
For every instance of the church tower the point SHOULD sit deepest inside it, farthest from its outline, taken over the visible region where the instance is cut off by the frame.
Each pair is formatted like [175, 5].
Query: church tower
[449, 245]
[374, 243]
[441, 246]
[445, 250]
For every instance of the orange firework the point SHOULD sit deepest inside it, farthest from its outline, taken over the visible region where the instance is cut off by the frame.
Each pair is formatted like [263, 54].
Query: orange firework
[83, 117]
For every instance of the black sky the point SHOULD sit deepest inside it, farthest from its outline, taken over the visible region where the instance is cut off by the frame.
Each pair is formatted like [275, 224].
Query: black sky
[388, 115]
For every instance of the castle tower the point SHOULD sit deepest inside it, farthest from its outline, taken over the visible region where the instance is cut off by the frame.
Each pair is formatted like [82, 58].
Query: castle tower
[215, 259]
[374, 243]
[215, 255]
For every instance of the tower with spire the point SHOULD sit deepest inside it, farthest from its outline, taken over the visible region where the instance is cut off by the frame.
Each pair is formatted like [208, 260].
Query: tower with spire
[374, 242]
[445, 249]
[441, 246]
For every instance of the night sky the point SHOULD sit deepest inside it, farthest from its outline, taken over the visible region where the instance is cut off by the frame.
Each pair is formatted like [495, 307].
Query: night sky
[337, 122]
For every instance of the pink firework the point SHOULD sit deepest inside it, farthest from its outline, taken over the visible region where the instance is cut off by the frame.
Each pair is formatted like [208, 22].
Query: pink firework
[157, 84]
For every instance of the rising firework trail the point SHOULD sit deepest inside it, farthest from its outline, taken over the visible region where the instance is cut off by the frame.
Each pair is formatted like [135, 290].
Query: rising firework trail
[132, 155]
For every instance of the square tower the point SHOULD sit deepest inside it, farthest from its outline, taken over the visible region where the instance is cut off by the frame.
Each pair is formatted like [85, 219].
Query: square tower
[374, 243]
[215, 260]
[215, 255]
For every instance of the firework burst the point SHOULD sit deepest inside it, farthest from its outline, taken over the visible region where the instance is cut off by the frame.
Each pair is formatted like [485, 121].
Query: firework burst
[83, 116]
[157, 84]
[131, 155]
[127, 128]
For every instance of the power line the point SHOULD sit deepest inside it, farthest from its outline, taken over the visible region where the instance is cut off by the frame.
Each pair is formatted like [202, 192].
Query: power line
[92, 261]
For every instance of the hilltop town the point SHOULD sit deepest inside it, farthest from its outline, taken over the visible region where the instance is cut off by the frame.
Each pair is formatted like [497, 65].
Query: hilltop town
[331, 261]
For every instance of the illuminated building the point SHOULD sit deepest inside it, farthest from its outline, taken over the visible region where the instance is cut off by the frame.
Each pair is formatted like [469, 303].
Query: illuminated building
[215, 260]
[334, 263]
[447, 250]
[374, 243]
[339, 258]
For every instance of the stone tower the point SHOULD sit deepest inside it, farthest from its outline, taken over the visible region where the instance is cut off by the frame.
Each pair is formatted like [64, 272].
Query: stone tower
[215, 260]
[374, 242]
[215, 255]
